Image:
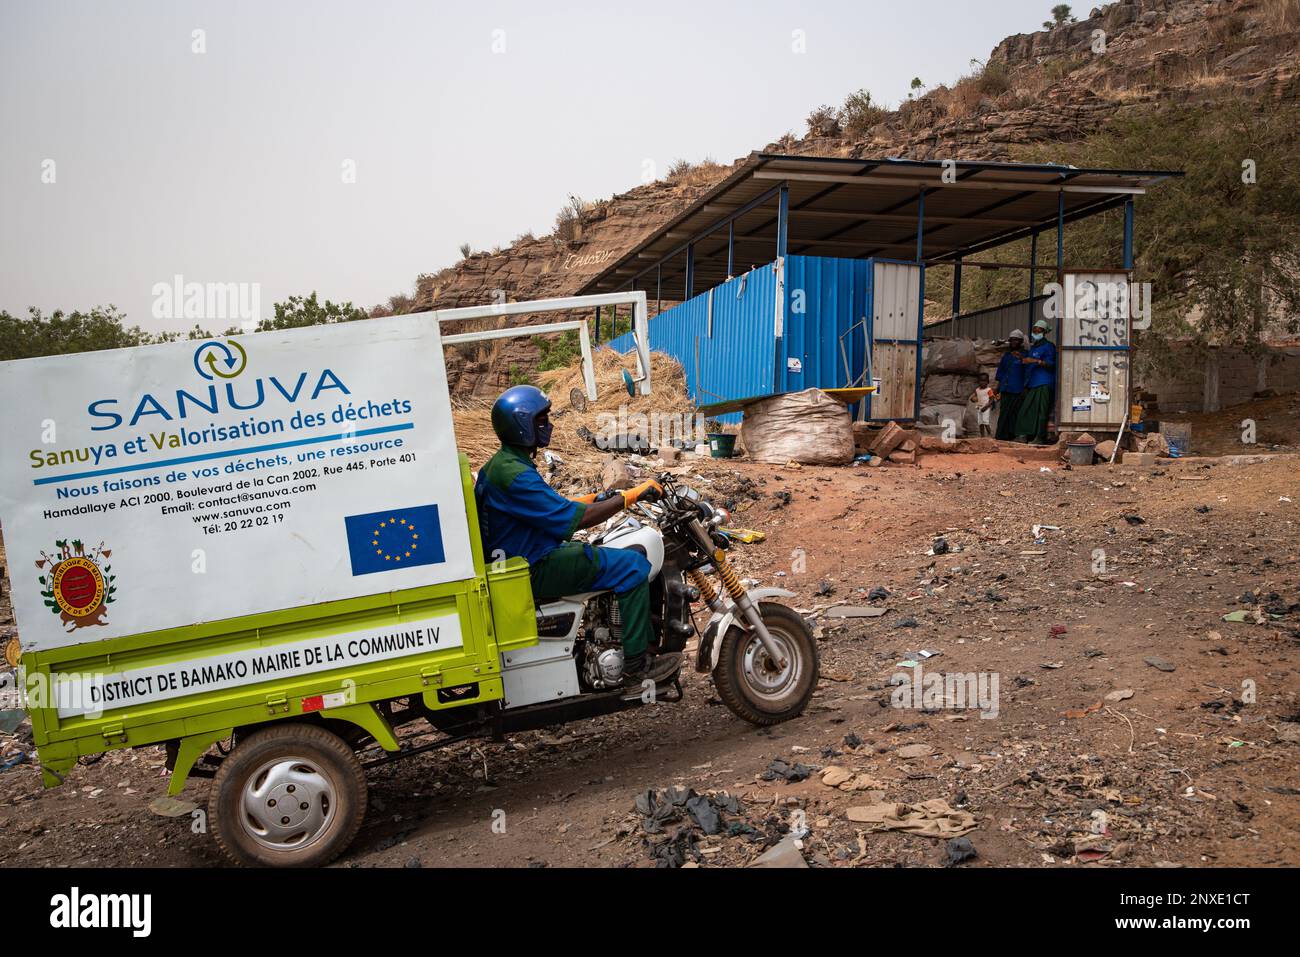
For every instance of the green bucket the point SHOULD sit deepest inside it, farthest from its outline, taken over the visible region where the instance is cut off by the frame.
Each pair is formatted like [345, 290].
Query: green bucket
[722, 445]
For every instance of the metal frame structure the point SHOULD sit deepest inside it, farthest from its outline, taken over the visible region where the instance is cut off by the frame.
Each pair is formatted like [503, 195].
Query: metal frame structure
[640, 317]
[881, 210]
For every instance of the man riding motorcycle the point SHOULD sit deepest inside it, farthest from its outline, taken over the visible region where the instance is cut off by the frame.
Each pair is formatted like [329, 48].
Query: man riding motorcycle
[521, 515]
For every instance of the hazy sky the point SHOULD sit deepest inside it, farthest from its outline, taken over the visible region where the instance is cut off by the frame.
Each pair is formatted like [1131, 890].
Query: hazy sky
[465, 122]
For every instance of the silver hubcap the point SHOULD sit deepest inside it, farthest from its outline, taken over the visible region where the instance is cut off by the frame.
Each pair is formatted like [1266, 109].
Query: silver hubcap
[768, 678]
[287, 804]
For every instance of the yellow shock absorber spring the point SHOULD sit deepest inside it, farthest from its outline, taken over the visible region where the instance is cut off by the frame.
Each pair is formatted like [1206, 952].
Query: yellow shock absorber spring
[729, 577]
[707, 591]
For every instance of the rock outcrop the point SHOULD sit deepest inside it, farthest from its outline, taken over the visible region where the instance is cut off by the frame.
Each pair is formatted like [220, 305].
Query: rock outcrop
[1048, 86]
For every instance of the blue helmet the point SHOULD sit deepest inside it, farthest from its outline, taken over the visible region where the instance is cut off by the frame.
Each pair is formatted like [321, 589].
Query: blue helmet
[514, 417]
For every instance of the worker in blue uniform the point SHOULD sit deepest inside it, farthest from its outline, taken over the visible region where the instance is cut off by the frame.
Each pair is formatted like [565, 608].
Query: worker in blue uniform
[520, 514]
[1011, 385]
[1036, 407]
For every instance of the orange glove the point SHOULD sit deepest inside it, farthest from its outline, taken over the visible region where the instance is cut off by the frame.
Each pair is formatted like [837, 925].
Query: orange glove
[587, 499]
[649, 489]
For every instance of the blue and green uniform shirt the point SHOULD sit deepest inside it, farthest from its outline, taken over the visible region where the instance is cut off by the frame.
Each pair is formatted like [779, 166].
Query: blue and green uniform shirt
[518, 512]
[1044, 374]
[1010, 374]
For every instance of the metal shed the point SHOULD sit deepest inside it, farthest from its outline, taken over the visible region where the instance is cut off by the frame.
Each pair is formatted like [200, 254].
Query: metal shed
[798, 272]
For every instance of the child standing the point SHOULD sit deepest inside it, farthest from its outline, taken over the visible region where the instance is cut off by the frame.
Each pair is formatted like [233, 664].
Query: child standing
[983, 397]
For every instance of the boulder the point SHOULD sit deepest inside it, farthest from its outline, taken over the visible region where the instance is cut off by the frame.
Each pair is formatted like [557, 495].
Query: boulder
[616, 475]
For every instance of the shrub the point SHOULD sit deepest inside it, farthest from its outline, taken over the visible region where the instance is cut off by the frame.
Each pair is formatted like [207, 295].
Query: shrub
[824, 121]
[859, 114]
[568, 221]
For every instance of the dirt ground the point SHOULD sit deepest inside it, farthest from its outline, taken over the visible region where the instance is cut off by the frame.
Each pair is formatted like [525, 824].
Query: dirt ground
[1198, 767]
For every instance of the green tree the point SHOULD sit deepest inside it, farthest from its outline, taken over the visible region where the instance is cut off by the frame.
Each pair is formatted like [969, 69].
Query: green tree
[1221, 245]
[59, 333]
[298, 311]
[1060, 16]
[560, 352]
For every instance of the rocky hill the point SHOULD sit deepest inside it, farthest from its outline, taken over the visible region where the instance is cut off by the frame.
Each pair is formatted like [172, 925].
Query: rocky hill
[1048, 86]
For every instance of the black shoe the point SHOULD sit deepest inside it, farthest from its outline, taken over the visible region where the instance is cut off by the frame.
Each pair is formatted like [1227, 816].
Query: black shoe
[656, 668]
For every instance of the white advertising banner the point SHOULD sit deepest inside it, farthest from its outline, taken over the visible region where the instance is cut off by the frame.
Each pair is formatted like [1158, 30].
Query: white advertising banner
[93, 694]
[163, 486]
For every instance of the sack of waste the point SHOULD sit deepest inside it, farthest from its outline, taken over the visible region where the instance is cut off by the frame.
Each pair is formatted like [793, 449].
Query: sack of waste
[808, 427]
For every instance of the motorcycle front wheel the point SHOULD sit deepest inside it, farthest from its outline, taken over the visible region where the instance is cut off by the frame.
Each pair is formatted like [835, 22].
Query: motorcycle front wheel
[758, 689]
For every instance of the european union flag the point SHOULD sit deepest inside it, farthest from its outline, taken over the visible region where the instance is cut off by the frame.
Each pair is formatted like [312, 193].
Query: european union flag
[400, 538]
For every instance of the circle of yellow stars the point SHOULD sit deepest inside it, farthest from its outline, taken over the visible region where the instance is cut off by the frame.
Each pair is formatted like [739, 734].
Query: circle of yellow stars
[395, 522]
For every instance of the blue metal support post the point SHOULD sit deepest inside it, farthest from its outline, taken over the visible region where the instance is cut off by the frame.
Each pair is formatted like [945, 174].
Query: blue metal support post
[1033, 272]
[690, 272]
[731, 249]
[783, 221]
[956, 287]
[1060, 235]
[920, 299]
[1128, 234]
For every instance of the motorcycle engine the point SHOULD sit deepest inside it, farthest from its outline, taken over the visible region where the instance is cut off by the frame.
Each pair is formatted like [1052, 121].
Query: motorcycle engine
[602, 646]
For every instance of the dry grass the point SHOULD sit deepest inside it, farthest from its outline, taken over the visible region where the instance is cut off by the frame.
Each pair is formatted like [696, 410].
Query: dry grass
[988, 81]
[685, 173]
[474, 435]
[1281, 16]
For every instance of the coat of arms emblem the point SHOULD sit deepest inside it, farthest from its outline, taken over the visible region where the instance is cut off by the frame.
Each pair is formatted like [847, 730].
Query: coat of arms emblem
[76, 585]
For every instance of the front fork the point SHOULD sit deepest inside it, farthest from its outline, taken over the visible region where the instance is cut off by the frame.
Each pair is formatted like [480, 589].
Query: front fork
[736, 589]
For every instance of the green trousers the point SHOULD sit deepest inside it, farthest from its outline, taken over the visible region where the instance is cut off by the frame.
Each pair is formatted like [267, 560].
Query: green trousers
[1035, 410]
[574, 568]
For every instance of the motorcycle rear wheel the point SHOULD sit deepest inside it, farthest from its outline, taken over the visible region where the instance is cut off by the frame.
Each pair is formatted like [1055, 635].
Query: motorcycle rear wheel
[756, 688]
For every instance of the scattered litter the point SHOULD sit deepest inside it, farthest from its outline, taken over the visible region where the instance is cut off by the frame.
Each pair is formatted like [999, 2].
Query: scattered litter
[910, 751]
[854, 611]
[704, 814]
[786, 771]
[959, 849]
[1253, 616]
[782, 854]
[165, 806]
[17, 759]
[933, 818]
[845, 779]
[1160, 664]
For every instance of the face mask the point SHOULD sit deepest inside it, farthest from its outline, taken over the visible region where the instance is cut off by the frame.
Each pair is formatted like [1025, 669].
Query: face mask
[1037, 337]
[543, 430]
